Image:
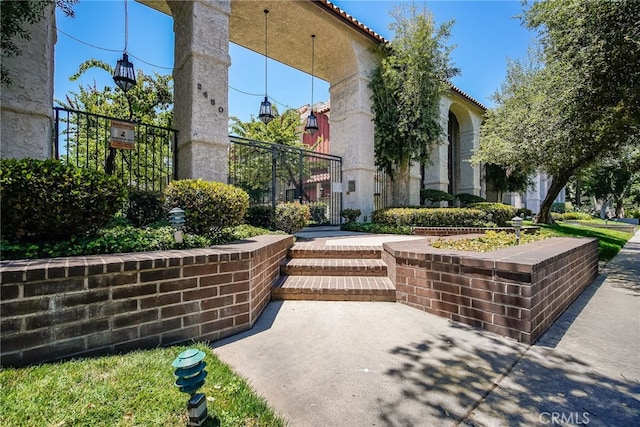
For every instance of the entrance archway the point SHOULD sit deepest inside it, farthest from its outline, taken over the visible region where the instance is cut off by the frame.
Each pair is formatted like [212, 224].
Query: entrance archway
[453, 157]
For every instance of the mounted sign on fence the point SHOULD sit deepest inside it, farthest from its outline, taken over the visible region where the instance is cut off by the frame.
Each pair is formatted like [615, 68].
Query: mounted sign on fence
[123, 135]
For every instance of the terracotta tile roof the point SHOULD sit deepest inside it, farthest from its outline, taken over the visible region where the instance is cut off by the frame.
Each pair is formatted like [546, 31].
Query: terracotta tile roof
[353, 22]
[350, 20]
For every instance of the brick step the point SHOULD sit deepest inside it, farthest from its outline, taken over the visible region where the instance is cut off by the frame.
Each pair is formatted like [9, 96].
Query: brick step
[333, 267]
[301, 250]
[333, 288]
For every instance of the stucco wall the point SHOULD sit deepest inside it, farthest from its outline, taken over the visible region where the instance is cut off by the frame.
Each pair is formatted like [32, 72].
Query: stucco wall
[27, 103]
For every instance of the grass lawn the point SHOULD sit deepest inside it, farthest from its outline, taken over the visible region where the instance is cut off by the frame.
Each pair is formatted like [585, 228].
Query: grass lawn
[610, 241]
[125, 390]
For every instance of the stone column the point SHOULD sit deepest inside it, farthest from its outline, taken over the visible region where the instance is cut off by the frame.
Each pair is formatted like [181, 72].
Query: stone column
[27, 109]
[437, 174]
[469, 173]
[352, 133]
[201, 75]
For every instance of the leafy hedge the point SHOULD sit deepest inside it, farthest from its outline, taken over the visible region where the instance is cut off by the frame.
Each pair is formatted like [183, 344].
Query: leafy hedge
[318, 212]
[117, 239]
[291, 217]
[435, 196]
[144, 207]
[46, 200]
[430, 217]
[467, 199]
[369, 227]
[350, 215]
[209, 206]
[499, 213]
[260, 216]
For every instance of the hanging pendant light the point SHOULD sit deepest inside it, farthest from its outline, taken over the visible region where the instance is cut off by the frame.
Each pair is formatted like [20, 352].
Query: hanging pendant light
[312, 123]
[266, 115]
[124, 75]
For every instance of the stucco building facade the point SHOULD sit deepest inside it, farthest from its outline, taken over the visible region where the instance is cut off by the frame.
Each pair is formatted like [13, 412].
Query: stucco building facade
[345, 55]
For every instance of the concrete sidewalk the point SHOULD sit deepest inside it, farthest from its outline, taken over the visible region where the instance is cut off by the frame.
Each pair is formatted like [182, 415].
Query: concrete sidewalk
[363, 364]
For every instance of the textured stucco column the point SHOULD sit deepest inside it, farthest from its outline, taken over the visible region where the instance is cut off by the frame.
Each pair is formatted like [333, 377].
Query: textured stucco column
[352, 133]
[201, 75]
[27, 103]
[436, 174]
[469, 173]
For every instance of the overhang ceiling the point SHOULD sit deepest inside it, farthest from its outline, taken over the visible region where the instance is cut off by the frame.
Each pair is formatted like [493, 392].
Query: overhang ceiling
[290, 25]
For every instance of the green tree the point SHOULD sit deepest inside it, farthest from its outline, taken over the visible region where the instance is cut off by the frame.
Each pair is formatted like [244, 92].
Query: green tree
[406, 90]
[579, 103]
[611, 180]
[504, 180]
[15, 16]
[251, 168]
[149, 102]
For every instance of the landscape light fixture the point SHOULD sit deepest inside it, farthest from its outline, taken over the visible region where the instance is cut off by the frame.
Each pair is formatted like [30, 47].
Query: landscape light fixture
[266, 115]
[190, 375]
[517, 225]
[124, 75]
[177, 220]
[312, 123]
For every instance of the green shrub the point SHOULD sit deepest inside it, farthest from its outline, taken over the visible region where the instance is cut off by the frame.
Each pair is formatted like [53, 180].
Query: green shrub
[118, 239]
[560, 207]
[209, 206]
[557, 216]
[350, 215]
[318, 212]
[576, 216]
[260, 216]
[499, 213]
[431, 217]
[291, 217]
[524, 213]
[435, 196]
[369, 227]
[144, 207]
[467, 199]
[634, 213]
[46, 200]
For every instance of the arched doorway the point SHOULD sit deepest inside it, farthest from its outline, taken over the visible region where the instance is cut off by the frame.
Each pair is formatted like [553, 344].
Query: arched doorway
[453, 159]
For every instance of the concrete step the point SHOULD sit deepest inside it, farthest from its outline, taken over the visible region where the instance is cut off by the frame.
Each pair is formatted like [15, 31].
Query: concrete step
[333, 288]
[333, 267]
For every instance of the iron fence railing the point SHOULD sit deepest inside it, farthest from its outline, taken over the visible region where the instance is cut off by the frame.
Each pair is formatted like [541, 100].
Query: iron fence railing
[83, 139]
[273, 173]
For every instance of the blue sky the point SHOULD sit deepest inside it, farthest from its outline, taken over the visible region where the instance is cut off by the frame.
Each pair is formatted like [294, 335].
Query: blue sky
[486, 33]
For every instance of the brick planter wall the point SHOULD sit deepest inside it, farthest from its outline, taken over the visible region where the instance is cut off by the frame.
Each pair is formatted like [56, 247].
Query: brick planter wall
[516, 292]
[82, 306]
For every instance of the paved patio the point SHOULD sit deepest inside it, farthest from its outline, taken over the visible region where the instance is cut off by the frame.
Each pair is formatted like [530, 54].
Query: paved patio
[378, 363]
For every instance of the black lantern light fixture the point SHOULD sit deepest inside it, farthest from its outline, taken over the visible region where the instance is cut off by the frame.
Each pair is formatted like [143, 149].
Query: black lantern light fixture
[312, 123]
[124, 75]
[266, 115]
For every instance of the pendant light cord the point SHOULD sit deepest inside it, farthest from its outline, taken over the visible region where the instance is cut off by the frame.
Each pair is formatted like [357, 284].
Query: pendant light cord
[266, 12]
[313, 55]
[126, 26]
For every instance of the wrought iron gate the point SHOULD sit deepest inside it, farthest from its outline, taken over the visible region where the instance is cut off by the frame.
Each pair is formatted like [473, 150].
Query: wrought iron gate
[273, 173]
[82, 139]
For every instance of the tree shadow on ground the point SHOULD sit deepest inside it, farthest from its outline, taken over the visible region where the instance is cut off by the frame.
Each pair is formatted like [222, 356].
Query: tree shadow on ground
[455, 378]
[623, 271]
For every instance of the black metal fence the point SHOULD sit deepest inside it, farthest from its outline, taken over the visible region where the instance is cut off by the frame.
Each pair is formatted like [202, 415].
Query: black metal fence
[83, 139]
[273, 173]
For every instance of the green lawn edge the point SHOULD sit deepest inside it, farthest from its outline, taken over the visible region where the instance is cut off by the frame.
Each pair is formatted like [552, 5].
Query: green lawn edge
[135, 388]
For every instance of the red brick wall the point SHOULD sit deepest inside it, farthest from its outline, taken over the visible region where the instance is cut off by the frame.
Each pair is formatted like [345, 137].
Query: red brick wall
[82, 306]
[516, 292]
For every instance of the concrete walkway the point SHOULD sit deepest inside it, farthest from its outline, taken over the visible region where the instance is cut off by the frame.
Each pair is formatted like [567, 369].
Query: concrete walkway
[386, 364]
